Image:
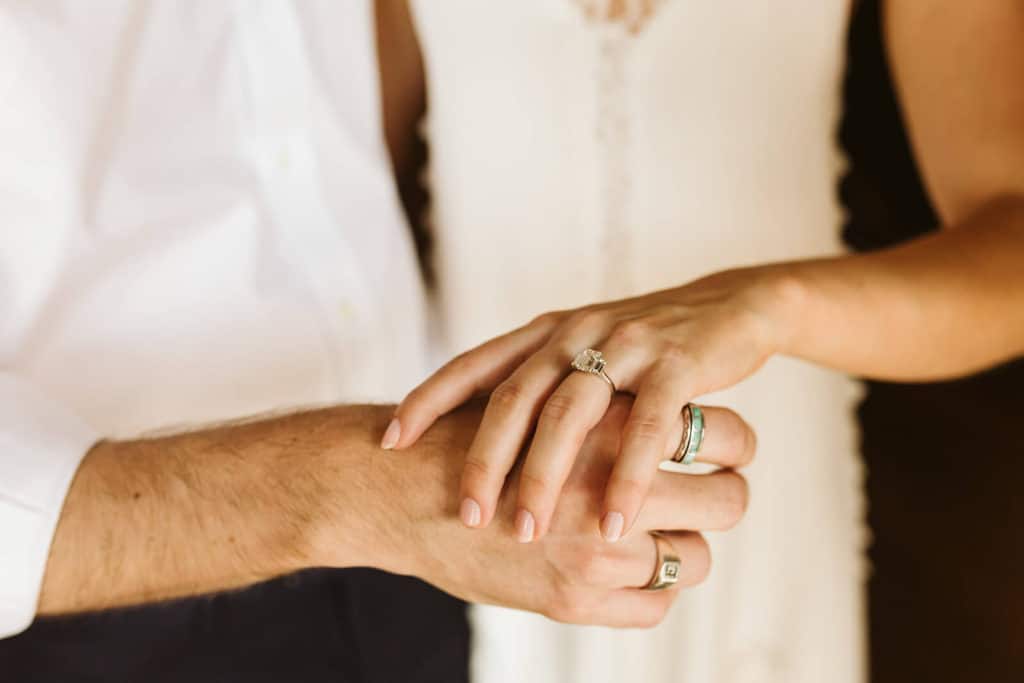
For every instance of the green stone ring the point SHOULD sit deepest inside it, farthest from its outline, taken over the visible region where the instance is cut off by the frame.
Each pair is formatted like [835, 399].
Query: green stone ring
[693, 434]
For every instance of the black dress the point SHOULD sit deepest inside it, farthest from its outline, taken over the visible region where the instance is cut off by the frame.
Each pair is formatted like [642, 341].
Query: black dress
[945, 461]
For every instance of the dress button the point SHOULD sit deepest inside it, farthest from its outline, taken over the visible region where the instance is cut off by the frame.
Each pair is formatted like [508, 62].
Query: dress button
[345, 310]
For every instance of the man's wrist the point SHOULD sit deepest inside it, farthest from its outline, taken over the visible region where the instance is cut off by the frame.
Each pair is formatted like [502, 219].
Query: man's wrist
[355, 517]
[395, 505]
[223, 507]
[319, 488]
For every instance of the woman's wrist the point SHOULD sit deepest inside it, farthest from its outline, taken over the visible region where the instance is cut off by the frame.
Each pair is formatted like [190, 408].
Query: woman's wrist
[779, 296]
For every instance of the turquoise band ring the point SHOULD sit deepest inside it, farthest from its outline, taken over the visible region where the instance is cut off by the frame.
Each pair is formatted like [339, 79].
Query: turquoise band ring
[693, 435]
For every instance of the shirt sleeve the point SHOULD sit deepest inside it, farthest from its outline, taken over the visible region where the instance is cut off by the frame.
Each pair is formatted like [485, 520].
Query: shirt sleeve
[41, 445]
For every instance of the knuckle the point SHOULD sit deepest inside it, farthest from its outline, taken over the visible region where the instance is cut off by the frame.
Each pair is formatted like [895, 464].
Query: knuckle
[734, 499]
[508, 395]
[584, 320]
[557, 606]
[737, 438]
[630, 488]
[461, 363]
[699, 559]
[416, 396]
[547, 320]
[566, 614]
[477, 472]
[533, 488]
[649, 621]
[594, 568]
[631, 333]
[677, 355]
[646, 427]
[616, 415]
[733, 444]
[652, 617]
[558, 409]
[566, 605]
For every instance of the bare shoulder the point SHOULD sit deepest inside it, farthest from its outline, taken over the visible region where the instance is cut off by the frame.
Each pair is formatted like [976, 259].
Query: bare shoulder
[959, 71]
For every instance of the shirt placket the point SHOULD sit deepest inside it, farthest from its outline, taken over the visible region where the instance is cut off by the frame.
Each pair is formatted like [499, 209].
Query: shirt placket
[279, 139]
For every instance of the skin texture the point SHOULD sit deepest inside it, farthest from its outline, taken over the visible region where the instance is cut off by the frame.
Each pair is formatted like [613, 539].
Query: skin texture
[220, 508]
[156, 519]
[224, 507]
[160, 518]
[938, 307]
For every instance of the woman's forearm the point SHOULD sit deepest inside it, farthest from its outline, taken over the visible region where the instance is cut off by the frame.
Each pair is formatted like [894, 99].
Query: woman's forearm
[940, 306]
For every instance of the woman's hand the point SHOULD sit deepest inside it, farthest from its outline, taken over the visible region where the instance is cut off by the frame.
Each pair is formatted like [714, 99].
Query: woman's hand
[571, 574]
[666, 347]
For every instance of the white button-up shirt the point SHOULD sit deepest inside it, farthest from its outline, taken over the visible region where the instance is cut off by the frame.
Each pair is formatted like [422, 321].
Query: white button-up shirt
[197, 221]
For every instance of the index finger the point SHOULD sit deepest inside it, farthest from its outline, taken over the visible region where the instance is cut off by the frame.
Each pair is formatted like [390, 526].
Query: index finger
[477, 370]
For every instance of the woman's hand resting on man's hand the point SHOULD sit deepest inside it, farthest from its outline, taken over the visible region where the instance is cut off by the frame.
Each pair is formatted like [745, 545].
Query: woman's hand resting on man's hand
[571, 574]
[666, 348]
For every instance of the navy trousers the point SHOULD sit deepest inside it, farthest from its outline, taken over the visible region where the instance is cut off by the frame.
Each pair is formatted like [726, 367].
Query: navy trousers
[349, 626]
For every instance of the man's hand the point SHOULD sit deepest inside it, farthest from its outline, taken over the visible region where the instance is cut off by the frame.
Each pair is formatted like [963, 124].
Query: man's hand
[571, 574]
[161, 518]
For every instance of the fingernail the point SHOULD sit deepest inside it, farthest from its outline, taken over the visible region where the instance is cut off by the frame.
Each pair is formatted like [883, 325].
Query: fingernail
[391, 434]
[611, 526]
[524, 526]
[469, 511]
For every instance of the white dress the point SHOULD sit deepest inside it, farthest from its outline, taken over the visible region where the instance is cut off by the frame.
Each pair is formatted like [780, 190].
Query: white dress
[576, 158]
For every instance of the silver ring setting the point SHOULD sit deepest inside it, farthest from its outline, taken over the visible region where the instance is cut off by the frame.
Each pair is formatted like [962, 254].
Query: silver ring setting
[666, 573]
[592, 362]
[693, 435]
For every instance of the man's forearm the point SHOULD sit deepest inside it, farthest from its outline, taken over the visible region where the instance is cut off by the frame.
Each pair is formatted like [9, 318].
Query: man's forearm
[192, 513]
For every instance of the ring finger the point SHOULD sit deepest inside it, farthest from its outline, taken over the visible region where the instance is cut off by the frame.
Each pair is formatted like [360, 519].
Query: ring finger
[727, 442]
[568, 415]
[510, 413]
[632, 564]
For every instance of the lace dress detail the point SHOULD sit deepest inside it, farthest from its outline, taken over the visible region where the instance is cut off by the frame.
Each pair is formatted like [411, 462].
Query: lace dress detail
[632, 15]
[616, 24]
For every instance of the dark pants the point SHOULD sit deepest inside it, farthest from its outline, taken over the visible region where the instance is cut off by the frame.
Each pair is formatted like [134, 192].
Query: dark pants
[346, 626]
